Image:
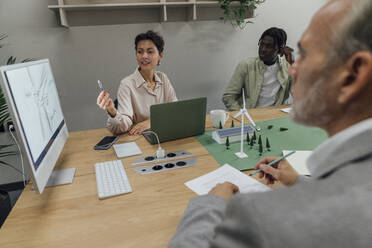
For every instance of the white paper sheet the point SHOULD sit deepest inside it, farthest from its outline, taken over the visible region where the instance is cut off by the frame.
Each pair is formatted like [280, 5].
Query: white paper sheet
[202, 185]
[298, 161]
[286, 110]
[127, 149]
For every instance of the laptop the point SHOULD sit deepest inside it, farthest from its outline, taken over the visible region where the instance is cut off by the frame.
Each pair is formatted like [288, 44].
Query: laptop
[177, 120]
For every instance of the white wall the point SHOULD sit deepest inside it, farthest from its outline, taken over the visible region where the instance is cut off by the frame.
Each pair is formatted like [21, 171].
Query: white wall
[199, 59]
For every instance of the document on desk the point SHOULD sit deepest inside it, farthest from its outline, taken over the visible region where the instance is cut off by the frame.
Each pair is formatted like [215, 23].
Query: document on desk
[298, 161]
[286, 110]
[202, 185]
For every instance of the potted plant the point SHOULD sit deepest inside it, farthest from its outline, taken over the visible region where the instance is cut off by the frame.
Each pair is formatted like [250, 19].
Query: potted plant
[237, 11]
[5, 117]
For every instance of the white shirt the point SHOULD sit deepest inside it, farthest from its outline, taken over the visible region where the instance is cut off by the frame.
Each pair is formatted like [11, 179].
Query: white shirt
[270, 87]
[135, 99]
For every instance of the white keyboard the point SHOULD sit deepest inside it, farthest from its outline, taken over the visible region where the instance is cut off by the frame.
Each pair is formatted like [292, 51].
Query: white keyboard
[111, 179]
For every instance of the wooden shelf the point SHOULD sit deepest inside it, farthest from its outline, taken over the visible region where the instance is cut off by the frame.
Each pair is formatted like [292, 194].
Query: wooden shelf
[163, 8]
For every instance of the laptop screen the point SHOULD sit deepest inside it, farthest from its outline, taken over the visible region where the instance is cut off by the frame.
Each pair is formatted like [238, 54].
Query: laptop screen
[177, 120]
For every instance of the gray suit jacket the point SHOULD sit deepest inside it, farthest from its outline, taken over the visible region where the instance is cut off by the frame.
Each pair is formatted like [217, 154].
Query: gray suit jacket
[334, 209]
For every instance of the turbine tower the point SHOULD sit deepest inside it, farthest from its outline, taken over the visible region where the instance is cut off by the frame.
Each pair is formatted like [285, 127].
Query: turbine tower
[243, 112]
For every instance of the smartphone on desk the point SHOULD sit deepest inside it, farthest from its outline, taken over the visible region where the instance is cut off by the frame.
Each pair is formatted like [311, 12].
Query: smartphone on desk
[106, 142]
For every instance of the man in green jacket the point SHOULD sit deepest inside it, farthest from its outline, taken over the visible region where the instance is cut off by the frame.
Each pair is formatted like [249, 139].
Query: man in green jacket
[265, 78]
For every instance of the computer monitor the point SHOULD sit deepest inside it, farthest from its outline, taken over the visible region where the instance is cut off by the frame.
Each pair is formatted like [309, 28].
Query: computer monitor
[36, 112]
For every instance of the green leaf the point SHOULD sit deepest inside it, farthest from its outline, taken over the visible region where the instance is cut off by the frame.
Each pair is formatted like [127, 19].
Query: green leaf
[5, 146]
[236, 15]
[11, 60]
[28, 60]
[3, 36]
[11, 166]
[4, 113]
[6, 154]
[4, 163]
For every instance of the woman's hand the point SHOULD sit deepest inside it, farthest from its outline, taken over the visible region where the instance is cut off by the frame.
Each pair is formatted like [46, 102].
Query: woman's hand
[139, 127]
[105, 102]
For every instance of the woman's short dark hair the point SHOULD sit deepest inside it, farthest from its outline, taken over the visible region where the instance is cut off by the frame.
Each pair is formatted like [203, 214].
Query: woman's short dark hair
[278, 34]
[154, 37]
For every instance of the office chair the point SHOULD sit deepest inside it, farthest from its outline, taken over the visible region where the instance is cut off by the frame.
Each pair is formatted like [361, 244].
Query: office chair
[4, 206]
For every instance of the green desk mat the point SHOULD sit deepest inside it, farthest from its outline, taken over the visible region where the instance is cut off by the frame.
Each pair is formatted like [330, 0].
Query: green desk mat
[297, 137]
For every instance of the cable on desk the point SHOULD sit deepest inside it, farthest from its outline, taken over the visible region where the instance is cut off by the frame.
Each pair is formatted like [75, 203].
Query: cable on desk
[19, 149]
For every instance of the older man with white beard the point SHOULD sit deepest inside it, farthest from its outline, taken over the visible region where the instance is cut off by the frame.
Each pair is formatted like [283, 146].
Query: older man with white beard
[333, 91]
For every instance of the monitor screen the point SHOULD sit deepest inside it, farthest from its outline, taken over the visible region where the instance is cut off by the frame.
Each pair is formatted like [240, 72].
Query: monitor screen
[35, 107]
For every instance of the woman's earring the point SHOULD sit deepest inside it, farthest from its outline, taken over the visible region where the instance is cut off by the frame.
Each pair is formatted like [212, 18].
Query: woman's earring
[159, 63]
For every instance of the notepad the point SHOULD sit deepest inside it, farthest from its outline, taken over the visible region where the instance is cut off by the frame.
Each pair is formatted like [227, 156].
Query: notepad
[127, 149]
[202, 185]
[286, 110]
[298, 161]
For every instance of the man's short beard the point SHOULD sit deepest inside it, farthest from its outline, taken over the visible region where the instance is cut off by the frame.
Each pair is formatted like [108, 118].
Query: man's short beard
[312, 110]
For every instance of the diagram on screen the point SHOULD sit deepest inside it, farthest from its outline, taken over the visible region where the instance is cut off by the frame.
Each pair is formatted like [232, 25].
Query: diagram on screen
[37, 102]
[40, 92]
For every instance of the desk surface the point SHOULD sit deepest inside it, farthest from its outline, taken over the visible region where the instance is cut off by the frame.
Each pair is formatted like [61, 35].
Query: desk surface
[73, 216]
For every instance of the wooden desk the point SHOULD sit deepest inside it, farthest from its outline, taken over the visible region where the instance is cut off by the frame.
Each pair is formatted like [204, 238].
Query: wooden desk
[73, 216]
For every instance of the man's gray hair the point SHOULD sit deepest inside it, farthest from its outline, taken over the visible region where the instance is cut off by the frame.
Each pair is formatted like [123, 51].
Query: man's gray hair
[355, 33]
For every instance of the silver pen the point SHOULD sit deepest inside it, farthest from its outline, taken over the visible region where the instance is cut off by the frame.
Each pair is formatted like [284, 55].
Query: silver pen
[100, 85]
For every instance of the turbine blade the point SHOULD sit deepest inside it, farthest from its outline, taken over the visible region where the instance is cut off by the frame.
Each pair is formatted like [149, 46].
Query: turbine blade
[239, 113]
[243, 98]
[249, 117]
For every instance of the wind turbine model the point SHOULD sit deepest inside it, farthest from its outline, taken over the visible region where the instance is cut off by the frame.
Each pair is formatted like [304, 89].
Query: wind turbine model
[243, 112]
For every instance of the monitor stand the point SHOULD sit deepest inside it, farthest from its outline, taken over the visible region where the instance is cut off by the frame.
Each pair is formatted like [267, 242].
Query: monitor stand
[60, 177]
